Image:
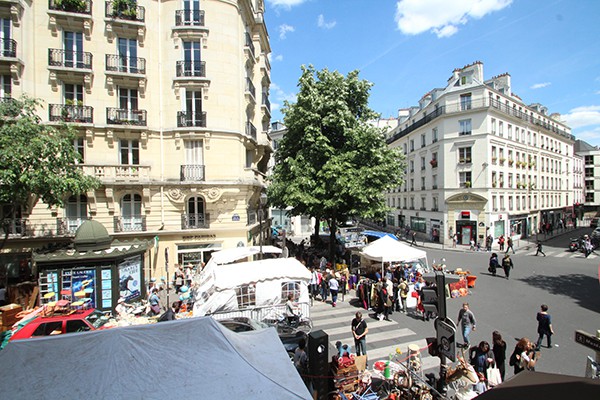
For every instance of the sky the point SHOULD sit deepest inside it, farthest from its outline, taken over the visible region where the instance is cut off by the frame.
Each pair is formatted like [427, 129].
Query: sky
[550, 48]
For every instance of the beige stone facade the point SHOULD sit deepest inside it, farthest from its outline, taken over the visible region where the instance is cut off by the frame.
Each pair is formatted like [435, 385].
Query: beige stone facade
[170, 101]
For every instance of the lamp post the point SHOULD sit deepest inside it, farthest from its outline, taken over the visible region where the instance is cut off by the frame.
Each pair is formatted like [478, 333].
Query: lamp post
[262, 203]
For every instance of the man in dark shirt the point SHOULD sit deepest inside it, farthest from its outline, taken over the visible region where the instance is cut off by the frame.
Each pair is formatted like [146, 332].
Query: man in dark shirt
[544, 327]
[169, 315]
[359, 331]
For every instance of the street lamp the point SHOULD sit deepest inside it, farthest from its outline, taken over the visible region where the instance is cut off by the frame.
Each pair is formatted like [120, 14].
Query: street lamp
[263, 203]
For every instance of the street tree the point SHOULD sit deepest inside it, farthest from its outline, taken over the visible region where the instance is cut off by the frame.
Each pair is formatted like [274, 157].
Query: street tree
[333, 163]
[38, 162]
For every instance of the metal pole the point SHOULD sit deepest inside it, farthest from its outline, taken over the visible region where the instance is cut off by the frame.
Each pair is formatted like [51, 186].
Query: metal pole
[260, 218]
[440, 280]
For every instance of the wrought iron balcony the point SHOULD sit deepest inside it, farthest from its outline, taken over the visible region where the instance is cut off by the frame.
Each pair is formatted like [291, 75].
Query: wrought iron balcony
[71, 113]
[74, 6]
[250, 87]
[191, 119]
[192, 173]
[14, 226]
[266, 102]
[68, 226]
[9, 48]
[125, 116]
[126, 12]
[69, 59]
[249, 44]
[250, 130]
[131, 223]
[128, 65]
[195, 221]
[191, 69]
[189, 18]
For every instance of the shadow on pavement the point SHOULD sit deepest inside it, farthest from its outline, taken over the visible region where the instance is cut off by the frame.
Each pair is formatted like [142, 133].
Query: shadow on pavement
[581, 288]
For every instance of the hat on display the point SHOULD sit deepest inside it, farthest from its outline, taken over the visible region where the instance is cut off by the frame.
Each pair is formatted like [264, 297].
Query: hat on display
[184, 289]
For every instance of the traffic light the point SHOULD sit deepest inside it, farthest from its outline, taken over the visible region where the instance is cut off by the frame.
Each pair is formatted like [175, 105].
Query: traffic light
[434, 296]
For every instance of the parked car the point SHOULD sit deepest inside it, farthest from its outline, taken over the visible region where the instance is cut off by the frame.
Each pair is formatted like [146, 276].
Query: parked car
[79, 321]
[244, 324]
[594, 222]
[595, 233]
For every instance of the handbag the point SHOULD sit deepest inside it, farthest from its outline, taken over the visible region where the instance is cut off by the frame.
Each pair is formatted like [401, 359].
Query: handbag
[493, 376]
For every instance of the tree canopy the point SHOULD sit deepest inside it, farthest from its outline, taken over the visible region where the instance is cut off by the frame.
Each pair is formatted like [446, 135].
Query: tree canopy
[37, 160]
[333, 162]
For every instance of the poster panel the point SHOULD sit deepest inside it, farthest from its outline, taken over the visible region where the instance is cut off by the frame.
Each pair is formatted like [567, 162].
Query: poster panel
[130, 278]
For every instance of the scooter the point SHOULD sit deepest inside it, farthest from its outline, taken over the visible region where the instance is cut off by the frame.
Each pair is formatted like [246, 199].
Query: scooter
[574, 245]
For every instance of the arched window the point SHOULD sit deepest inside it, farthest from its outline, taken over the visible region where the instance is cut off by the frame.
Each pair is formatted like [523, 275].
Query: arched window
[131, 212]
[75, 212]
[195, 216]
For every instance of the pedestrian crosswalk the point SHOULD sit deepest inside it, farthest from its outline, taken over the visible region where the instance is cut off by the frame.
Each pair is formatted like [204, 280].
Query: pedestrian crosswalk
[383, 339]
[561, 253]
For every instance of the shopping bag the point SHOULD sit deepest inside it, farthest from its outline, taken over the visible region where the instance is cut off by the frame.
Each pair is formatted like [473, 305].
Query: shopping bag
[493, 376]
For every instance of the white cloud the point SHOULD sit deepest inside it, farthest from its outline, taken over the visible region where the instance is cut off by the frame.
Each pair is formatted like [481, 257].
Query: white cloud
[284, 29]
[592, 136]
[540, 85]
[583, 116]
[278, 96]
[275, 57]
[287, 4]
[442, 17]
[321, 23]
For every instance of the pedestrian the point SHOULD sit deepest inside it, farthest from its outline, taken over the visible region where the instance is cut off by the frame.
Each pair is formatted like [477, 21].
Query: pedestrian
[509, 245]
[501, 242]
[493, 265]
[454, 240]
[384, 296]
[314, 282]
[472, 244]
[154, 303]
[481, 357]
[171, 313]
[179, 278]
[467, 321]
[544, 327]
[301, 362]
[334, 287]
[499, 350]
[507, 265]
[359, 331]
[523, 357]
[324, 286]
[414, 238]
[396, 293]
[539, 249]
[403, 289]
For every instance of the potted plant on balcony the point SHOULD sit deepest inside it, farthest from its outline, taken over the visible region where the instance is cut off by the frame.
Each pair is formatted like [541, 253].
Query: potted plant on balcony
[126, 9]
[510, 161]
[467, 184]
[494, 183]
[433, 162]
[70, 5]
[502, 159]
[494, 159]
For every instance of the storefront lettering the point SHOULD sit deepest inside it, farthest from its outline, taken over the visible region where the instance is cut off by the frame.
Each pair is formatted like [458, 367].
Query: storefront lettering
[197, 237]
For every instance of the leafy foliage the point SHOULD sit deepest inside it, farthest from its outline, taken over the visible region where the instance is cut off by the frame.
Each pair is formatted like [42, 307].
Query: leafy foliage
[36, 159]
[332, 163]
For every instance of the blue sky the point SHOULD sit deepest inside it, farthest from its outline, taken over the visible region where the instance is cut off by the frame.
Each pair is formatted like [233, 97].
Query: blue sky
[551, 49]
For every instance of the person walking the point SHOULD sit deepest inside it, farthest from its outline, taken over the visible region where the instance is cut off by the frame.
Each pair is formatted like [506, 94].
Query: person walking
[454, 240]
[509, 245]
[414, 238]
[499, 350]
[523, 357]
[493, 266]
[359, 331]
[334, 287]
[386, 301]
[467, 321]
[540, 249]
[403, 290]
[544, 327]
[507, 265]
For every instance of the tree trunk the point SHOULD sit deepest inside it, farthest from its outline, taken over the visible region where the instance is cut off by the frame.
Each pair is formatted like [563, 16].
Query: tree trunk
[316, 238]
[332, 241]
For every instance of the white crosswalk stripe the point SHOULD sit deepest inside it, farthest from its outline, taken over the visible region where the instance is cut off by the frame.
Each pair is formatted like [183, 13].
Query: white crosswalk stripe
[382, 341]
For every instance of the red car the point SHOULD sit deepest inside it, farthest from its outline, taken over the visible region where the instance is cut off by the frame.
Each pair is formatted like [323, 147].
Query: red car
[79, 321]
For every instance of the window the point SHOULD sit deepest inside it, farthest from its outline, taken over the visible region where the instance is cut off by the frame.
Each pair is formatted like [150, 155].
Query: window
[422, 163]
[464, 179]
[129, 151]
[249, 158]
[195, 217]
[509, 135]
[131, 212]
[193, 108]
[494, 203]
[191, 58]
[75, 212]
[127, 50]
[510, 180]
[423, 144]
[434, 181]
[423, 202]
[288, 288]
[418, 224]
[422, 183]
[79, 148]
[77, 325]
[5, 86]
[435, 203]
[465, 101]
[73, 49]
[501, 179]
[128, 105]
[434, 135]
[246, 295]
[412, 166]
[191, 10]
[412, 145]
[464, 155]
[465, 127]
[501, 128]
[412, 203]
[502, 203]
[48, 328]
[404, 147]
[412, 184]
[493, 126]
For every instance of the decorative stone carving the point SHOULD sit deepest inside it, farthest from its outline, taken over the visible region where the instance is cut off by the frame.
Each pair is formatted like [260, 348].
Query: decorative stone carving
[144, 139]
[110, 138]
[146, 197]
[52, 25]
[110, 199]
[53, 81]
[15, 14]
[87, 82]
[89, 137]
[91, 198]
[175, 195]
[87, 29]
[110, 85]
[212, 194]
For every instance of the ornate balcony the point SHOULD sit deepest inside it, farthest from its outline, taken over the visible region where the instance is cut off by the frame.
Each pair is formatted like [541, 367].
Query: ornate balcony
[126, 11]
[195, 69]
[191, 119]
[118, 173]
[189, 18]
[250, 130]
[266, 104]
[192, 173]
[195, 221]
[71, 6]
[68, 226]
[131, 223]
[250, 89]
[9, 48]
[14, 226]
[125, 65]
[70, 59]
[71, 113]
[125, 116]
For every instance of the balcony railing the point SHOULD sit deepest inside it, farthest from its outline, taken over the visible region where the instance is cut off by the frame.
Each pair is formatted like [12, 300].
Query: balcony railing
[14, 226]
[71, 113]
[250, 87]
[192, 172]
[124, 116]
[129, 65]
[191, 68]
[74, 6]
[195, 221]
[266, 102]
[127, 12]
[68, 226]
[132, 223]
[69, 59]
[189, 18]
[9, 48]
[249, 44]
[118, 173]
[250, 130]
[191, 119]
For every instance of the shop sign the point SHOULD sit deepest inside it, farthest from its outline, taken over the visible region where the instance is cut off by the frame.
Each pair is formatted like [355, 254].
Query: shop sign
[235, 218]
[465, 214]
[199, 237]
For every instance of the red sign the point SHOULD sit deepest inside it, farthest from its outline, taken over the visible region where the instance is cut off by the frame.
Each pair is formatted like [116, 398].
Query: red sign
[465, 214]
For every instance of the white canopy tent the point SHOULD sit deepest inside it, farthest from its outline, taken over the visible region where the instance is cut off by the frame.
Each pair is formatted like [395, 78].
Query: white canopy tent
[388, 249]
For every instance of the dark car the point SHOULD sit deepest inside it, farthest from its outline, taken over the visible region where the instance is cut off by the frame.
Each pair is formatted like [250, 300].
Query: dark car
[594, 222]
[79, 321]
[244, 324]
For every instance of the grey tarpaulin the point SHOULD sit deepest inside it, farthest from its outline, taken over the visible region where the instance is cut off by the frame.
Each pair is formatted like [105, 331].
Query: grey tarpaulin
[194, 358]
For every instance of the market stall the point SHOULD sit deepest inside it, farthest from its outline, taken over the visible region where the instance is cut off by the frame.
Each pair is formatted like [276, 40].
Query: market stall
[388, 249]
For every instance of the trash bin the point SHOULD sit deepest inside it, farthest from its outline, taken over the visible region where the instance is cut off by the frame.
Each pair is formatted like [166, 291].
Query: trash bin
[471, 281]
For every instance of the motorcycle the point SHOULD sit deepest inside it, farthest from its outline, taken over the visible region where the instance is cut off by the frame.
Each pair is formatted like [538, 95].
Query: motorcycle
[574, 244]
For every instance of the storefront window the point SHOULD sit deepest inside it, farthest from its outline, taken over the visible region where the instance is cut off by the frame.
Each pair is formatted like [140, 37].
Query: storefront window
[418, 224]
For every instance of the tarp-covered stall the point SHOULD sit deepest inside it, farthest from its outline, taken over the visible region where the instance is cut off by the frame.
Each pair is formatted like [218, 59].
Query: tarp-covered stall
[388, 249]
[192, 358]
[249, 285]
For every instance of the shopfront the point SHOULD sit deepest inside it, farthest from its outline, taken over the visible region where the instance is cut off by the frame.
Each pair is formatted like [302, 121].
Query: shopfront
[466, 228]
[518, 226]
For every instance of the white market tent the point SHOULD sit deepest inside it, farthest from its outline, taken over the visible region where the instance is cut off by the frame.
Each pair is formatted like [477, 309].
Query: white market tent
[387, 249]
[189, 358]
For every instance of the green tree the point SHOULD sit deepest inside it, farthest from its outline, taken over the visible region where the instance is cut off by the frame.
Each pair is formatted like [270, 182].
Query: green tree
[333, 163]
[37, 161]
